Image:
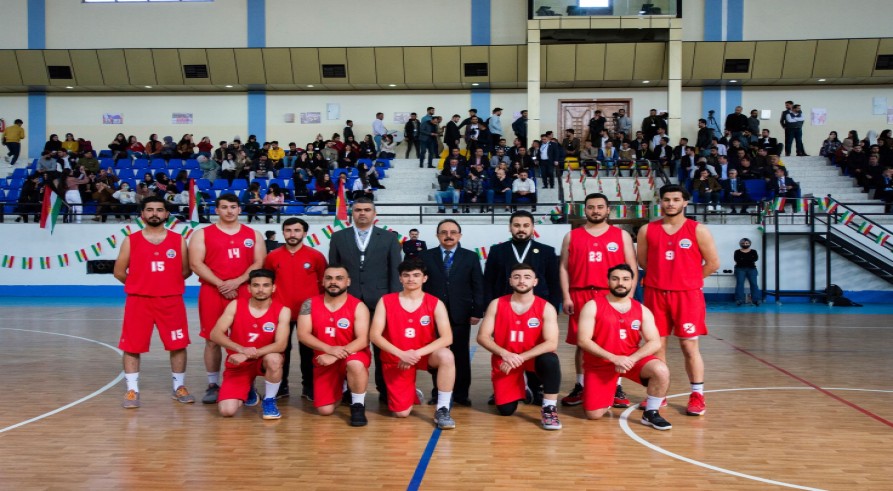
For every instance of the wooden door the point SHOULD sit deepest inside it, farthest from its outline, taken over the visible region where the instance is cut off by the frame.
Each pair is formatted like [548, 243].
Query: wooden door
[575, 115]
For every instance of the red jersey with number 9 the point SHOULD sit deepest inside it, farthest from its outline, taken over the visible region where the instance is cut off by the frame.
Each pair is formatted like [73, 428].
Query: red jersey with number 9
[518, 332]
[155, 270]
[229, 256]
[617, 333]
[674, 261]
[590, 257]
[408, 330]
[250, 331]
[333, 328]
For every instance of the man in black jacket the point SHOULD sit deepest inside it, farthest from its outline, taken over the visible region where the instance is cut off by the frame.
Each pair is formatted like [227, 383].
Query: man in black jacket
[519, 126]
[596, 125]
[736, 123]
[411, 131]
[451, 135]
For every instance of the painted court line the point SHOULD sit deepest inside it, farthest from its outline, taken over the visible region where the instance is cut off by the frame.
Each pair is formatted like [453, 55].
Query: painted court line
[82, 399]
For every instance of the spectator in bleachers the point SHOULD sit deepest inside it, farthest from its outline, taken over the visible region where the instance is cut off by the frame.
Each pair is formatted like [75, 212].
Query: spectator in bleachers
[318, 143]
[89, 162]
[53, 144]
[253, 201]
[204, 147]
[830, 146]
[30, 198]
[361, 188]
[143, 191]
[451, 134]
[735, 192]
[220, 152]
[252, 147]
[181, 181]
[736, 123]
[84, 146]
[348, 131]
[228, 168]
[12, 138]
[276, 155]
[291, 155]
[450, 181]
[149, 181]
[550, 160]
[154, 147]
[856, 161]
[663, 152]
[367, 148]
[502, 185]
[478, 157]
[261, 168]
[325, 190]
[455, 153]
[71, 186]
[515, 170]
[70, 145]
[388, 147]
[168, 148]
[302, 167]
[318, 166]
[127, 199]
[243, 164]
[704, 139]
[473, 191]
[782, 186]
[686, 164]
[64, 161]
[596, 124]
[884, 189]
[209, 167]
[609, 156]
[105, 176]
[411, 132]
[348, 157]
[874, 150]
[519, 127]
[571, 144]
[135, 149]
[794, 131]
[499, 156]
[474, 138]
[524, 190]
[746, 170]
[870, 139]
[273, 201]
[753, 123]
[721, 169]
[106, 203]
[301, 193]
[651, 124]
[871, 175]
[887, 152]
[162, 183]
[656, 139]
[707, 189]
[588, 158]
[236, 146]
[118, 146]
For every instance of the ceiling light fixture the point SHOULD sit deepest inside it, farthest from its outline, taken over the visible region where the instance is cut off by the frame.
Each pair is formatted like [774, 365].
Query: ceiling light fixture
[475, 84]
[148, 86]
[69, 87]
[228, 86]
[392, 85]
[646, 81]
[733, 81]
[821, 80]
[309, 86]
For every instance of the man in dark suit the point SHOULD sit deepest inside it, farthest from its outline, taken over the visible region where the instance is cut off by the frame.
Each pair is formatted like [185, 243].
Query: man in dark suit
[455, 277]
[769, 143]
[783, 186]
[370, 255]
[451, 134]
[549, 154]
[412, 246]
[734, 192]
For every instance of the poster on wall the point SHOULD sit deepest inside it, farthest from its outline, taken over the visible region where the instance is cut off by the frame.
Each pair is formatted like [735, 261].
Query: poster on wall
[333, 111]
[878, 106]
[112, 118]
[311, 118]
[181, 118]
[289, 117]
[890, 115]
[819, 116]
[401, 118]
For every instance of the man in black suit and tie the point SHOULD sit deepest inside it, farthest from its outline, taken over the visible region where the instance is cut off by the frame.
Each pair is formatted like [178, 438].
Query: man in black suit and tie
[782, 186]
[734, 192]
[370, 255]
[769, 143]
[455, 277]
[549, 154]
[412, 246]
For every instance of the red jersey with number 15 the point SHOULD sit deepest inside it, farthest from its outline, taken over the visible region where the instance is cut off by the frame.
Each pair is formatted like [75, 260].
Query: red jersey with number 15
[590, 258]
[333, 328]
[155, 270]
[617, 333]
[408, 330]
[229, 256]
[248, 330]
[674, 261]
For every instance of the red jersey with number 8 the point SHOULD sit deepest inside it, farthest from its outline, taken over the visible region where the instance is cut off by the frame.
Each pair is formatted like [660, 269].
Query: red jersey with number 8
[674, 261]
[333, 328]
[229, 256]
[590, 257]
[408, 330]
[155, 270]
[617, 333]
[250, 331]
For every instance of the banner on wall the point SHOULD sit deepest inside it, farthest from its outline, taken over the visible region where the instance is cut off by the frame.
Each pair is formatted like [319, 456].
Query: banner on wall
[181, 118]
[401, 118]
[112, 118]
[819, 116]
[311, 118]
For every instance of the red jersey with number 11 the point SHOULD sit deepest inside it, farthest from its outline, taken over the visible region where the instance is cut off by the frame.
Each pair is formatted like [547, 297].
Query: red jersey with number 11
[250, 331]
[408, 330]
[516, 332]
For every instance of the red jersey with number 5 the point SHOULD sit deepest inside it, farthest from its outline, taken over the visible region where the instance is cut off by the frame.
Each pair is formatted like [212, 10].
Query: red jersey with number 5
[155, 270]
[617, 333]
[408, 330]
[248, 330]
[674, 261]
[333, 328]
[229, 256]
[590, 258]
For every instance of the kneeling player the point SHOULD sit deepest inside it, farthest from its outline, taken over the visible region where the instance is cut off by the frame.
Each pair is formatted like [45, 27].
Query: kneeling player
[611, 329]
[521, 330]
[254, 333]
[412, 329]
[336, 326]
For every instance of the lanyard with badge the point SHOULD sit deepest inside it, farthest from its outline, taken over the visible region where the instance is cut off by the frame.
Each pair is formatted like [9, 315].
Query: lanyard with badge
[524, 254]
[362, 244]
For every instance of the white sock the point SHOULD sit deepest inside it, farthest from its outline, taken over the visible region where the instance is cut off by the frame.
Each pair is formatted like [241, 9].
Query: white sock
[133, 381]
[580, 379]
[272, 388]
[358, 398]
[550, 402]
[178, 379]
[653, 403]
[619, 381]
[699, 388]
[214, 378]
[443, 399]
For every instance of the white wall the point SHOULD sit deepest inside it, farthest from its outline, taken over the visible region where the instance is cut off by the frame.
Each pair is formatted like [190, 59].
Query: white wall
[692, 20]
[508, 22]
[14, 24]
[368, 23]
[816, 19]
[72, 24]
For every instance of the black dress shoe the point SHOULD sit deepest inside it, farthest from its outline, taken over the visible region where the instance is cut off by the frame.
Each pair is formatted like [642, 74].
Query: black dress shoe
[462, 402]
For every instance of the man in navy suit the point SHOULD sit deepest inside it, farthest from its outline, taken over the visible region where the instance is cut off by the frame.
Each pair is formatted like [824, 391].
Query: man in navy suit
[734, 192]
[455, 277]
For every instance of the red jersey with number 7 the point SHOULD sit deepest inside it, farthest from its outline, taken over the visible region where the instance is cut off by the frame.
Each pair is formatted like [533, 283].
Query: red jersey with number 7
[616, 332]
[408, 330]
[155, 270]
[229, 256]
[674, 261]
[250, 331]
[335, 328]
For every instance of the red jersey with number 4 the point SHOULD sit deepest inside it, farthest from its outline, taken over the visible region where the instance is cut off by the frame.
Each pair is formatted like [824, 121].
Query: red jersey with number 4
[229, 256]
[155, 270]
[674, 261]
[518, 332]
[408, 330]
[333, 328]
[248, 330]
[590, 257]
[617, 333]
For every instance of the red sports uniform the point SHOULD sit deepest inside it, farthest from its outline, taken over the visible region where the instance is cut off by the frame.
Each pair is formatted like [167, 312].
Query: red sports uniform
[406, 331]
[674, 281]
[588, 260]
[617, 333]
[335, 328]
[298, 276]
[248, 331]
[228, 256]
[154, 288]
[516, 333]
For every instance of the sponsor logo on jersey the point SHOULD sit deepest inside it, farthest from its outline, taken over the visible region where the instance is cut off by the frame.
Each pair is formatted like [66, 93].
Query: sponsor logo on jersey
[343, 323]
[171, 253]
[306, 265]
[612, 247]
[533, 322]
[249, 243]
[269, 327]
[425, 320]
[688, 327]
[685, 244]
[636, 324]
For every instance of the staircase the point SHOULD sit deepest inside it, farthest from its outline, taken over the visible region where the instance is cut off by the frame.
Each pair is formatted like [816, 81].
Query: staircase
[818, 177]
[858, 254]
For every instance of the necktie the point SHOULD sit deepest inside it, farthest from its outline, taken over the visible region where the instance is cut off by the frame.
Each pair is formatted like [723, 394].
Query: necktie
[734, 186]
[448, 260]
[781, 185]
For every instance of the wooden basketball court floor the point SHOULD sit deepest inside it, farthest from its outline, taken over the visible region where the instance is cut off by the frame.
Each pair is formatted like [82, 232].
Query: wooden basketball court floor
[799, 396]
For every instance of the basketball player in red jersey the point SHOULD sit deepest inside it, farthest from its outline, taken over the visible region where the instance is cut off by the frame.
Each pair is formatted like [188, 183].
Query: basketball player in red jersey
[153, 264]
[611, 329]
[412, 328]
[586, 255]
[521, 330]
[677, 254]
[336, 326]
[254, 331]
[221, 255]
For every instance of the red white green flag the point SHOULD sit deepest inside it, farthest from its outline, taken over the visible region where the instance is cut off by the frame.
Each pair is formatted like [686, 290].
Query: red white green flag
[52, 207]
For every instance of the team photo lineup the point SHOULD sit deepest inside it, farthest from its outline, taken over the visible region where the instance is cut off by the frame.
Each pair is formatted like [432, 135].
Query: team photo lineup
[408, 309]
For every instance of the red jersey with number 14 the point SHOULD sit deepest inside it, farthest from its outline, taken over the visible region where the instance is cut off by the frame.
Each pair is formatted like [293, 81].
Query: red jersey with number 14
[155, 270]
[408, 330]
[229, 256]
[590, 257]
[333, 328]
[516, 332]
[248, 330]
[617, 333]
[674, 261]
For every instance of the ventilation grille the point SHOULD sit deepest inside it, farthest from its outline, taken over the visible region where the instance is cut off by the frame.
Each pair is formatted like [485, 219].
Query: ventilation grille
[334, 71]
[195, 71]
[884, 62]
[59, 72]
[476, 70]
[734, 65]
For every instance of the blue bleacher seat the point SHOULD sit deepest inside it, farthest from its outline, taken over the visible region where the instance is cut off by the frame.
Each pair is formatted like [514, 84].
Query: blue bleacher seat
[125, 173]
[19, 174]
[286, 173]
[195, 174]
[311, 186]
[4, 183]
[220, 184]
[190, 164]
[32, 165]
[121, 164]
[294, 209]
[367, 162]
[160, 162]
[16, 183]
[105, 154]
[381, 173]
[385, 163]
[175, 163]
[756, 189]
[261, 181]
[203, 184]
[239, 184]
[12, 195]
[105, 163]
[141, 163]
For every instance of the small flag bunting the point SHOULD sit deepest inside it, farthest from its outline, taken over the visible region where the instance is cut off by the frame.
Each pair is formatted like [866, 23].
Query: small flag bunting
[8, 261]
[313, 240]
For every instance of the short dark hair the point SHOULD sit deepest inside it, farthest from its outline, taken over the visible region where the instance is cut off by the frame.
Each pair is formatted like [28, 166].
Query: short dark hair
[675, 188]
[413, 230]
[447, 220]
[621, 267]
[702, 120]
[269, 234]
[338, 266]
[262, 273]
[521, 214]
[521, 266]
[473, 110]
[595, 196]
[412, 264]
[229, 197]
[293, 220]
[366, 200]
[152, 199]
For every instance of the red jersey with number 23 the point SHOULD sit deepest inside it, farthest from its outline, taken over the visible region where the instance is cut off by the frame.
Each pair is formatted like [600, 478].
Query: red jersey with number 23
[229, 256]
[408, 330]
[617, 333]
[333, 328]
[590, 257]
[674, 261]
[155, 270]
[250, 331]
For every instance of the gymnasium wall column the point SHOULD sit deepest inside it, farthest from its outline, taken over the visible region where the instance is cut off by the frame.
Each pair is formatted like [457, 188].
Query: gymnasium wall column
[533, 80]
[674, 89]
[36, 121]
[257, 97]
